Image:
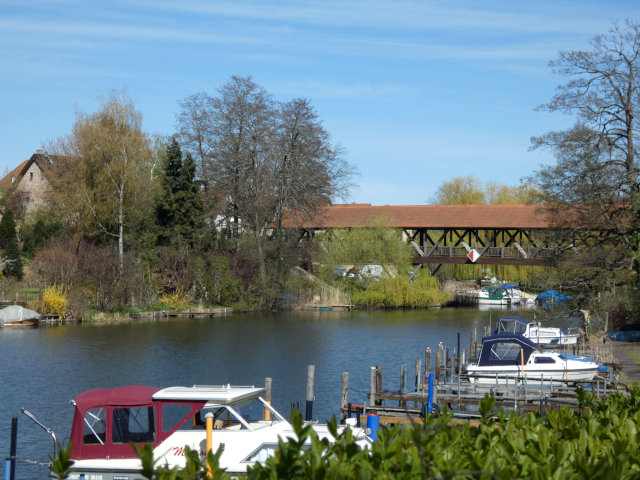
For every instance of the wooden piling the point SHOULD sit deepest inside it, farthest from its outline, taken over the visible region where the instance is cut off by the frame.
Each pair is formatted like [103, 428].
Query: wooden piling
[427, 364]
[403, 383]
[472, 349]
[438, 356]
[344, 395]
[372, 386]
[310, 396]
[416, 386]
[378, 381]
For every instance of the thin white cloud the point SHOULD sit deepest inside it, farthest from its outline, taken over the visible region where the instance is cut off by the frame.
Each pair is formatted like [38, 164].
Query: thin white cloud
[387, 15]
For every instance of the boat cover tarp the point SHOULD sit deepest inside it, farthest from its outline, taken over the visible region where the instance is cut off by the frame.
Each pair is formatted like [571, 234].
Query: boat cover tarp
[552, 296]
[129, 395]
[505, 349]
[17, 313]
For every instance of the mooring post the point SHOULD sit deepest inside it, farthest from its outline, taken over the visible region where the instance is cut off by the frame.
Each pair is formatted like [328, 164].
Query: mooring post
[12, 450]
[472, 348]
[427, 366]
[310, 377]
[458, 350]
[378, 383]
[438, 356]
[403, 383]
[416, 386]
[267, 397]
[430, 393]
[447, 353]
[372, 386]
[344, 395]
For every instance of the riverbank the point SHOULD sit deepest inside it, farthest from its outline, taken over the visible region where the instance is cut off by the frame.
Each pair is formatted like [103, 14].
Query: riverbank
[627, 358]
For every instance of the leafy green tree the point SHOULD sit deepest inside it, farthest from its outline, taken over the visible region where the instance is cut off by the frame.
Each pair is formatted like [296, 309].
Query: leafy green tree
[460, 191]
[38, 234]
[11, 260]
[471, 191]
[361, 246]
[102, 188]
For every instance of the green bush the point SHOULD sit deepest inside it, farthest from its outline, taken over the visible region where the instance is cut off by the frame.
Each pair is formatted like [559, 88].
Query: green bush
[396, 292]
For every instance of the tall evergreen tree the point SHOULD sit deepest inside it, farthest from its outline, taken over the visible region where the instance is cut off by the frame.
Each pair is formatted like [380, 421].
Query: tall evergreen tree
[179, 209]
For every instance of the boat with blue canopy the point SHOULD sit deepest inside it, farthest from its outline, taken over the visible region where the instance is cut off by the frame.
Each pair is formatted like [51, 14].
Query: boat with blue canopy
[511, 357]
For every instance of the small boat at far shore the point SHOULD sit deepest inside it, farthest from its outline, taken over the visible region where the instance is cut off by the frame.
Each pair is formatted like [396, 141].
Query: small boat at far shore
[18, 316]
[512, 357]
[536, 332]
[493, 295]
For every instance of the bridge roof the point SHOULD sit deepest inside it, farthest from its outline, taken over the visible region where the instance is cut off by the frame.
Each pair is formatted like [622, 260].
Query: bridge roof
[427, 216]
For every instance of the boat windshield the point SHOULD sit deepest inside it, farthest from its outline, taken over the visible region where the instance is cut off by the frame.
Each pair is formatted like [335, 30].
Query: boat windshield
[247, 414]
[511, 325]
[505, 351]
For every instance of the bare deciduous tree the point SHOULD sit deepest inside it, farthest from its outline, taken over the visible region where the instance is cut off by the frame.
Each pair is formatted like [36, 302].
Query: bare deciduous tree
[596, 173]
[262, 157]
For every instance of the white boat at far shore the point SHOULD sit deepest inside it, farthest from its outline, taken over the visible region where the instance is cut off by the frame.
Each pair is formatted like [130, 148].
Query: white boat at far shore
[494, 295]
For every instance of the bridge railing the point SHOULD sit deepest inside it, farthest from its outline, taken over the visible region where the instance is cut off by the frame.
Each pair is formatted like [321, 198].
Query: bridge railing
[493, 252]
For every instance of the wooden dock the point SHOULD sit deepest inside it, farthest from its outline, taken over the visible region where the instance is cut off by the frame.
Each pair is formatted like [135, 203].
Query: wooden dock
[454, 390]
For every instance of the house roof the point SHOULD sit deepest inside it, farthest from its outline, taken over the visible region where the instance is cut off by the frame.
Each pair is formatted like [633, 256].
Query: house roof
[425, 216]
[40, 158]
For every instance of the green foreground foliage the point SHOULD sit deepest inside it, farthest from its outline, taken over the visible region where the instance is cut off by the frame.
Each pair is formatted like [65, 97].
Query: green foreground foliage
[600, 443]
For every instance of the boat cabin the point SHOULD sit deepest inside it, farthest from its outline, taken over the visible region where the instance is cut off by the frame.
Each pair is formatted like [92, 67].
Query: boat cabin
[106, 420]
[505, 349]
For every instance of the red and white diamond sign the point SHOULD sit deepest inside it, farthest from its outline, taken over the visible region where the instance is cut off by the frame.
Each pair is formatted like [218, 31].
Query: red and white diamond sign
[473, 255]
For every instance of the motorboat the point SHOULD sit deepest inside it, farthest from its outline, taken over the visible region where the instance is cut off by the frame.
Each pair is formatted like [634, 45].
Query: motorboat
[107, 420]
[18, 316]
[514, 358]
[495, 295]
[536, 332]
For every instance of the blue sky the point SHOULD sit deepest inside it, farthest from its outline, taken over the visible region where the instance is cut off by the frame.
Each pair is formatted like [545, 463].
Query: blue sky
[415, 92]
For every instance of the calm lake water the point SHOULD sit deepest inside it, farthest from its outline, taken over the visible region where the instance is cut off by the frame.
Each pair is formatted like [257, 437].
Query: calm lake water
[44, 368]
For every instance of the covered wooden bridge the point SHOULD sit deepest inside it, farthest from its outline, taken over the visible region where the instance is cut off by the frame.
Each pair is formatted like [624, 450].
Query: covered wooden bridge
[450, 234]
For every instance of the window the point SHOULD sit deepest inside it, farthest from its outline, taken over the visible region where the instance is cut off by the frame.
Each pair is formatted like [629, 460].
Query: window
[30, 175]
[134, 424]
[95, 426]
[173, 414]
[505, 352]
[543, 360]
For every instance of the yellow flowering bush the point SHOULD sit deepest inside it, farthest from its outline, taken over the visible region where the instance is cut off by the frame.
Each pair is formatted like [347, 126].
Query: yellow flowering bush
[55, 300]
[177, 300]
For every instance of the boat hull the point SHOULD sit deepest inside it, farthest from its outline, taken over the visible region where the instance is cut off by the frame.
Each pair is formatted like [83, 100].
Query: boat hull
[498, 376]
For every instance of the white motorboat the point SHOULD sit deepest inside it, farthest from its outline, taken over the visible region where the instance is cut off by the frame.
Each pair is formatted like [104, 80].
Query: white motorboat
[106, 420]
[511, 357]
[494, 295]
[536, 332]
